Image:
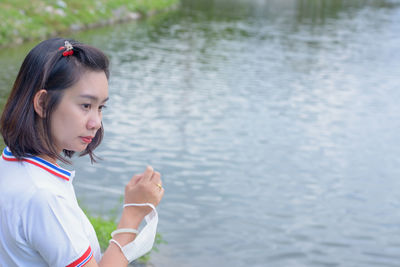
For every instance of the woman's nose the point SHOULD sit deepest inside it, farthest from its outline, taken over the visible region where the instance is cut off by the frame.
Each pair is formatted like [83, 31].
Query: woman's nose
[94, 122]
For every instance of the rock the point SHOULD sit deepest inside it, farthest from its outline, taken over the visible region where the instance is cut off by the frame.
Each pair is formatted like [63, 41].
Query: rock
[134, 15]
[76, 27]
[119, 12]
[61, 4]
[59, 12]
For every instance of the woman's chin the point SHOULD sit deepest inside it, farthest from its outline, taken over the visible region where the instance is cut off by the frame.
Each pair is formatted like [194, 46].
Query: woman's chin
[77, 149]
[81, 149]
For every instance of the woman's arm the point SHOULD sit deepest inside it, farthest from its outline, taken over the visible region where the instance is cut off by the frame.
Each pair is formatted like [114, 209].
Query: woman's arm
[140, 189]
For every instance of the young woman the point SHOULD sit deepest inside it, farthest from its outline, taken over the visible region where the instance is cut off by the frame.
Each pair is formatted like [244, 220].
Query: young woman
[54, 110]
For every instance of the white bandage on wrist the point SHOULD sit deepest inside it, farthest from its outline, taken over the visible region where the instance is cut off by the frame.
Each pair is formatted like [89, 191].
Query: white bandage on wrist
[144, 241]
[124, 230]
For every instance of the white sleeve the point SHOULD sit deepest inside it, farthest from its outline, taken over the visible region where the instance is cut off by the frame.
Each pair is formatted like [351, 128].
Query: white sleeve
[53, 228]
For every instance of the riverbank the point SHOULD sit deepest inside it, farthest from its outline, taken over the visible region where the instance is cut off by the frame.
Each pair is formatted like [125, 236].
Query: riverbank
[23, 20]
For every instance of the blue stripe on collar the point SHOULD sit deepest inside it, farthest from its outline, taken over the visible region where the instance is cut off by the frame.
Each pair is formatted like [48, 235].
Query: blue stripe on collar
[41, 163]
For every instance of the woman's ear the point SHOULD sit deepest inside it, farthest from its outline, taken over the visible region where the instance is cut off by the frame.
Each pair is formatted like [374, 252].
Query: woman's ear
[39, 103]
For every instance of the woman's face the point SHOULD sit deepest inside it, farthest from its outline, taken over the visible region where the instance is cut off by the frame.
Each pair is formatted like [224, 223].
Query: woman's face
[78, 116]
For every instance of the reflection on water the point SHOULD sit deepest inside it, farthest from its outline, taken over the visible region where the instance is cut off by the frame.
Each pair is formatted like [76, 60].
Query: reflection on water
[274, 124]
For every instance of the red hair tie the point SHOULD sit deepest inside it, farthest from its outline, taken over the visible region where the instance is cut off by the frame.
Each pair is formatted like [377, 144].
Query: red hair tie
[68, 49]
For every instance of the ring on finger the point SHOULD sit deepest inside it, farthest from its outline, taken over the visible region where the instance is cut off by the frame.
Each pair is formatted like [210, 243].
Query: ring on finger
[159, 185]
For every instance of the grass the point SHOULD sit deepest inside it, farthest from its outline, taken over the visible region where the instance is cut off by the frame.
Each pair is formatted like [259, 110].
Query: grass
[23, 20]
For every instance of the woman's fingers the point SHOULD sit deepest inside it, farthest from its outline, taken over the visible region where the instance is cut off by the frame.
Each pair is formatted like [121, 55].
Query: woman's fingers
[136, 178]
[152, 176]
[156, 178]
[148, 173]
[145, 188]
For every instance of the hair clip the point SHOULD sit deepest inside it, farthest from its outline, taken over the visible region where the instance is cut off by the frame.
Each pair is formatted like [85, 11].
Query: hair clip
[68, 49]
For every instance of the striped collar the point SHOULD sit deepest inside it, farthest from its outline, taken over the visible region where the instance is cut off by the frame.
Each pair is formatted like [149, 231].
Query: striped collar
[54, 169]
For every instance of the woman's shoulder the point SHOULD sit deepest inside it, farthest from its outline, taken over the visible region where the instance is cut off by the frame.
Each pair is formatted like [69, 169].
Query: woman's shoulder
[21, 182]
[14, 179]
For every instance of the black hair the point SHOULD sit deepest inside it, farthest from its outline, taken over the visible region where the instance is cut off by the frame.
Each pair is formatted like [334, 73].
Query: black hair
[45, 67]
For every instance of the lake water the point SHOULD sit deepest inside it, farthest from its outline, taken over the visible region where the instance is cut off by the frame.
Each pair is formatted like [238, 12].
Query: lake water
[275, 125]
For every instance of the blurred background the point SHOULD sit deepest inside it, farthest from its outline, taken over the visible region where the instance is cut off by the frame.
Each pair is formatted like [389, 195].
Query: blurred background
[275, 125]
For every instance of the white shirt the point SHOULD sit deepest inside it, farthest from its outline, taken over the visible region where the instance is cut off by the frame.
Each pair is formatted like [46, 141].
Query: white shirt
[41, 223]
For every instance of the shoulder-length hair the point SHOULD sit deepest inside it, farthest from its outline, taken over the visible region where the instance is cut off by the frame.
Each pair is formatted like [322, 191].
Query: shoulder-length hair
[24, 131]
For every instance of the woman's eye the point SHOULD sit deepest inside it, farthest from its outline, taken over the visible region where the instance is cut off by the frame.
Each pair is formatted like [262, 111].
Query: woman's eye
[102, 108]
[86, 106]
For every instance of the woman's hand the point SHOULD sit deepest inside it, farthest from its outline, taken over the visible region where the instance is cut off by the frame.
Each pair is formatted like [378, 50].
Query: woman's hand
[144, 188]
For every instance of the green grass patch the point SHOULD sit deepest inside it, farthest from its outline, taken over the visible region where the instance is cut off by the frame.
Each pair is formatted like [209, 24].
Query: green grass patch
[37, 19]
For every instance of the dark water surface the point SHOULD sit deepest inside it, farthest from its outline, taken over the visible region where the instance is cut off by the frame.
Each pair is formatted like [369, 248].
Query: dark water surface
[275, 125]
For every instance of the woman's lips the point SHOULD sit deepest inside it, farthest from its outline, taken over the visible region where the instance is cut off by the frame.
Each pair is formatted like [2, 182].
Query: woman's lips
[87, 139]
